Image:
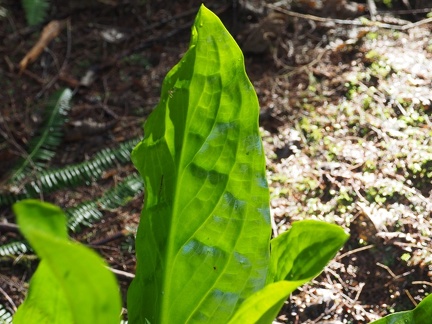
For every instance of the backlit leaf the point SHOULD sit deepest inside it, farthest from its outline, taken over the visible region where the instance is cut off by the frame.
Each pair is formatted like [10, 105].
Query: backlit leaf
[301, 253]
[203, 240]
[72, 283]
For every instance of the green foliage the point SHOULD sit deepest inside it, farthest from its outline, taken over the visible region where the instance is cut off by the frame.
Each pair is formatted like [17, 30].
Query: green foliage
[264, 305]
[71, 283]
[35, 10]
[203, 244]
[70, 176]
[42, 148]
[88, 212]
[419, 315]
[297, 256]
[203, 241]
[388, 3]
[14, 248]
[26, 183]
[84, 172]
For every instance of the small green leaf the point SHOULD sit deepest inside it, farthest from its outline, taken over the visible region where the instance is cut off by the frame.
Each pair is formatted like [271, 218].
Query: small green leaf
[298, 255]
[419, 315]
[301, 253]
[72, 283]
[203, 239]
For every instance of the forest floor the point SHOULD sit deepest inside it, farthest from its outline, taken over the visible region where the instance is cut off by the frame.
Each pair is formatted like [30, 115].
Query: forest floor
[346, 108]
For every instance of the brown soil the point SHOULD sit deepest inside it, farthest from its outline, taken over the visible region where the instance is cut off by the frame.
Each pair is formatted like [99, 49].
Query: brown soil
[303, 68]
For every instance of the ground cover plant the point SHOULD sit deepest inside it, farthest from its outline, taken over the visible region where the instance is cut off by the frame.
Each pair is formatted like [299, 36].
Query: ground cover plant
[344, 114]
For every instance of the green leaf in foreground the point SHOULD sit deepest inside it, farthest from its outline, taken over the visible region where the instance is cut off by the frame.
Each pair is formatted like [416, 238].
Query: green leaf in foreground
[419, 315]
[71, 283]
[297, 256]
[203, 240]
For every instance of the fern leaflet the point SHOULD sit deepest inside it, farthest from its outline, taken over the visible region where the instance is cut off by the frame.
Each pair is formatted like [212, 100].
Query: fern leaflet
[88, 212]
[5, 316]
[72, 175]
[14, 248]
[43, 147]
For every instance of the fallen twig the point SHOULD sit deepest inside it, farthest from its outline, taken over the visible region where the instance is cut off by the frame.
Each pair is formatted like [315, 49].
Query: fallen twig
[9, 299]
[9, 227]
[356, 22]
[122, 273]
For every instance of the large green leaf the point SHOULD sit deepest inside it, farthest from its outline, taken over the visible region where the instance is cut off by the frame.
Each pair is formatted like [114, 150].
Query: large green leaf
[419, 315]
[71, 283]
[203, 240]
[301, 253]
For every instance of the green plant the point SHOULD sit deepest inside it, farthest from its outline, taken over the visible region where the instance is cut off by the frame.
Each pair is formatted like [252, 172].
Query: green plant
[203, 242]
[71, 283]
[14, 248]
[32, 176]
[203, 245]
[42, 148]
[88, 212]
[83, 173]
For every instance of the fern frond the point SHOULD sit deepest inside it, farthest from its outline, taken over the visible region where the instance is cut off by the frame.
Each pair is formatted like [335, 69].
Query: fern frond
[89, 212]
[43, 147]
[84, 172]
[72, 175]
[14, 248]
[86, 213]
[35, 10]
[8, 198]
[5, 316]
[122, 193]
